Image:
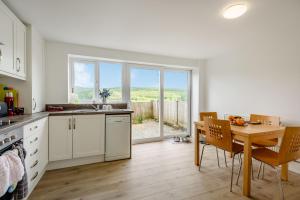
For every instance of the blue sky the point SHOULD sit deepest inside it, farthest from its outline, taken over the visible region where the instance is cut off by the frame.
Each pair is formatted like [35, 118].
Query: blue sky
[111, 76]
[150, 78]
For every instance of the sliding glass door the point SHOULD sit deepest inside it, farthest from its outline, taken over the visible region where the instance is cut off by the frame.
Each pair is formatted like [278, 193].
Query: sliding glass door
[154, 119]
[145, 98]
[176, 103]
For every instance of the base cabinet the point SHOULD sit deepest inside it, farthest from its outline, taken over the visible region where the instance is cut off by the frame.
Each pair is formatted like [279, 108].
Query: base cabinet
[36, 146]
[88, 135]
[60, 138]
[76, 136]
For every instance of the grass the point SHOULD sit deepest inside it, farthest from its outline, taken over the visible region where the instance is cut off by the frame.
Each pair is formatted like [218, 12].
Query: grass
[137, 94]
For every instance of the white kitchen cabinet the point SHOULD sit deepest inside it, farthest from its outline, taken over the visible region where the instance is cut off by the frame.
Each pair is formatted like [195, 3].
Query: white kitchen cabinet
[76, 136]
[36, 59]
[6, 41]
[20, 50]
[60, 138]
[88, 135]
[36, 146]
[12, 44]
[43, 144]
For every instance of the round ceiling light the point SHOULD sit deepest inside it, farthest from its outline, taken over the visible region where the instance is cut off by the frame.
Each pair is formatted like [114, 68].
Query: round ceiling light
[234, 11]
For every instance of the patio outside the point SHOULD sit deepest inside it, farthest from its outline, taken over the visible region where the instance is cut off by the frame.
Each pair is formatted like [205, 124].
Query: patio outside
[146, 119]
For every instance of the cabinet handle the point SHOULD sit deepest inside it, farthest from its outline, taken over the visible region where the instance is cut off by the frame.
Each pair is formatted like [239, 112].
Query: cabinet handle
[35, 152]
[35, 164]
[70, 126]
[35, 139]
[18, 64]
[34, 104]
[35, 175]
[74, 123]
[0, 54]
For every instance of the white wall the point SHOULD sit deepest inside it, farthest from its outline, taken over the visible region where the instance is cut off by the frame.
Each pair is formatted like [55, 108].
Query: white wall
[261, 79]
[57, 64]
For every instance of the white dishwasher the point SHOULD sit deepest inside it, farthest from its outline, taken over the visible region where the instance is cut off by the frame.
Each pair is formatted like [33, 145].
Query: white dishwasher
[117, 137]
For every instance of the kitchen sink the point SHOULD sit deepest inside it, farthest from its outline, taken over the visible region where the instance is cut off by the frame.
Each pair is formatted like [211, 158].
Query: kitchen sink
[86, 110]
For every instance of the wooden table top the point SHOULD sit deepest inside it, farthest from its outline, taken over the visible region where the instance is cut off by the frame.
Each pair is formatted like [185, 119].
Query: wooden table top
[252, 130]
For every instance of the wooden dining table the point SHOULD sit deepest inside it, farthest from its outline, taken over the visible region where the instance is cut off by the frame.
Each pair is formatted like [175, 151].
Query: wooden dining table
[248, 135]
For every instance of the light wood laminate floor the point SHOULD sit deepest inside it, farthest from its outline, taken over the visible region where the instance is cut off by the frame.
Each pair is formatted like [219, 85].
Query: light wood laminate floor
[161, 171]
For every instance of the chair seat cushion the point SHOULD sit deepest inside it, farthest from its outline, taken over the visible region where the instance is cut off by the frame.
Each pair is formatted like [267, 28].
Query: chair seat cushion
[266, 155]
[237, 148]
[265, 143]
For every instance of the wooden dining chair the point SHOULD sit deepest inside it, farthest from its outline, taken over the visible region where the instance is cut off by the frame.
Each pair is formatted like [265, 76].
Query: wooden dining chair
[271, 143]
[289, 151]
[218, 133]
[212, 115]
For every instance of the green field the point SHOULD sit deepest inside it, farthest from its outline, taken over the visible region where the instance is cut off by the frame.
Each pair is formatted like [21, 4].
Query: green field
[137, 94]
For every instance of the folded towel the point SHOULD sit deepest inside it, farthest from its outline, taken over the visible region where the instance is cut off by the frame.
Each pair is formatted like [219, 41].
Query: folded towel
[22, 187]
[11, 170]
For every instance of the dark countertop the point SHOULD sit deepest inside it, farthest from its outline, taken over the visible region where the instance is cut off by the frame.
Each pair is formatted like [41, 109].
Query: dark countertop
[22, 120]
[91, 112]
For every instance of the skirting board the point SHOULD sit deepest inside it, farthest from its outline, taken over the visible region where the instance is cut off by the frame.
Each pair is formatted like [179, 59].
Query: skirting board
[74, 162]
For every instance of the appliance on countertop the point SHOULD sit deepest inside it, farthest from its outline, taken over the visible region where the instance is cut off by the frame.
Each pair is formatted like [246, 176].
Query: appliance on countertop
[9, 100]
[118, 137]
[3, 109]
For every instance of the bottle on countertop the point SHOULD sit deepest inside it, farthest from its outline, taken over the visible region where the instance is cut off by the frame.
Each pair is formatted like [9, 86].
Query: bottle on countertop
[9, 100]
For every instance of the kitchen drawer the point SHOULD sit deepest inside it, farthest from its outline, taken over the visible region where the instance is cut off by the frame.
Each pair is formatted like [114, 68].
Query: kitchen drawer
[33, 178]
[32, 142]
[32, 165]
[32, 155]
[34, 127]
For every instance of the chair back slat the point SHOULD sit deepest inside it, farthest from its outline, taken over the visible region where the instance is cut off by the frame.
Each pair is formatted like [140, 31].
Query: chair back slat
[218, 133]
[212, 115]
[270, 120]
[290, 146]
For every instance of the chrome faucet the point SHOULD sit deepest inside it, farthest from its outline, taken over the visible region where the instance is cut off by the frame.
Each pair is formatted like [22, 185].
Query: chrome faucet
[96, 107]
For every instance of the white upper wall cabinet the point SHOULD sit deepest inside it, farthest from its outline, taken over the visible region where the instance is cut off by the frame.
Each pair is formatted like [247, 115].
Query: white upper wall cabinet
[12, 45]
[20, 50]
[6, 42]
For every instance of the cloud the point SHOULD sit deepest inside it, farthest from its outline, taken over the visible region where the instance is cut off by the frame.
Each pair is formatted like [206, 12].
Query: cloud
[84, 75]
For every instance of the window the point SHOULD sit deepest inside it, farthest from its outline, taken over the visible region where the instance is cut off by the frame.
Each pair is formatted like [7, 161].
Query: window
[89, 76]
[84, 81]
[111, 78]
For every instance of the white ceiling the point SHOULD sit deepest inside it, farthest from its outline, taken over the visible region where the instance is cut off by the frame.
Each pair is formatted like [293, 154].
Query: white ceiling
[181, 28]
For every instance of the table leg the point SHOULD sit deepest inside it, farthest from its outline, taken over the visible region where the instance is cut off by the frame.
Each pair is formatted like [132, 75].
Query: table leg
[284, 172]
[197, 146]
[247, 168]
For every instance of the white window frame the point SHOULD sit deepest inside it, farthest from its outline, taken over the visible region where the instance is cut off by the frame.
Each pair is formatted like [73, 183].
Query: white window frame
[97, 63]
[126, 66]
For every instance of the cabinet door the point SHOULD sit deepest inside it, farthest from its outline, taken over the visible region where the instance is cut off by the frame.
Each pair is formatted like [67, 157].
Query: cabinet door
[6, 42]
[37, 71]
[43, 143]
[60, 138]
[20, 50]
[88, 135]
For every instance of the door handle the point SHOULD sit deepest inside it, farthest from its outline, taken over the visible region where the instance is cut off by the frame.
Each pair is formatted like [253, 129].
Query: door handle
[35, 152]
[0, 55]
[70, 124]
[35, 164]
[18, 64]
[74, 123]
[34, 104]
[35, 175]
